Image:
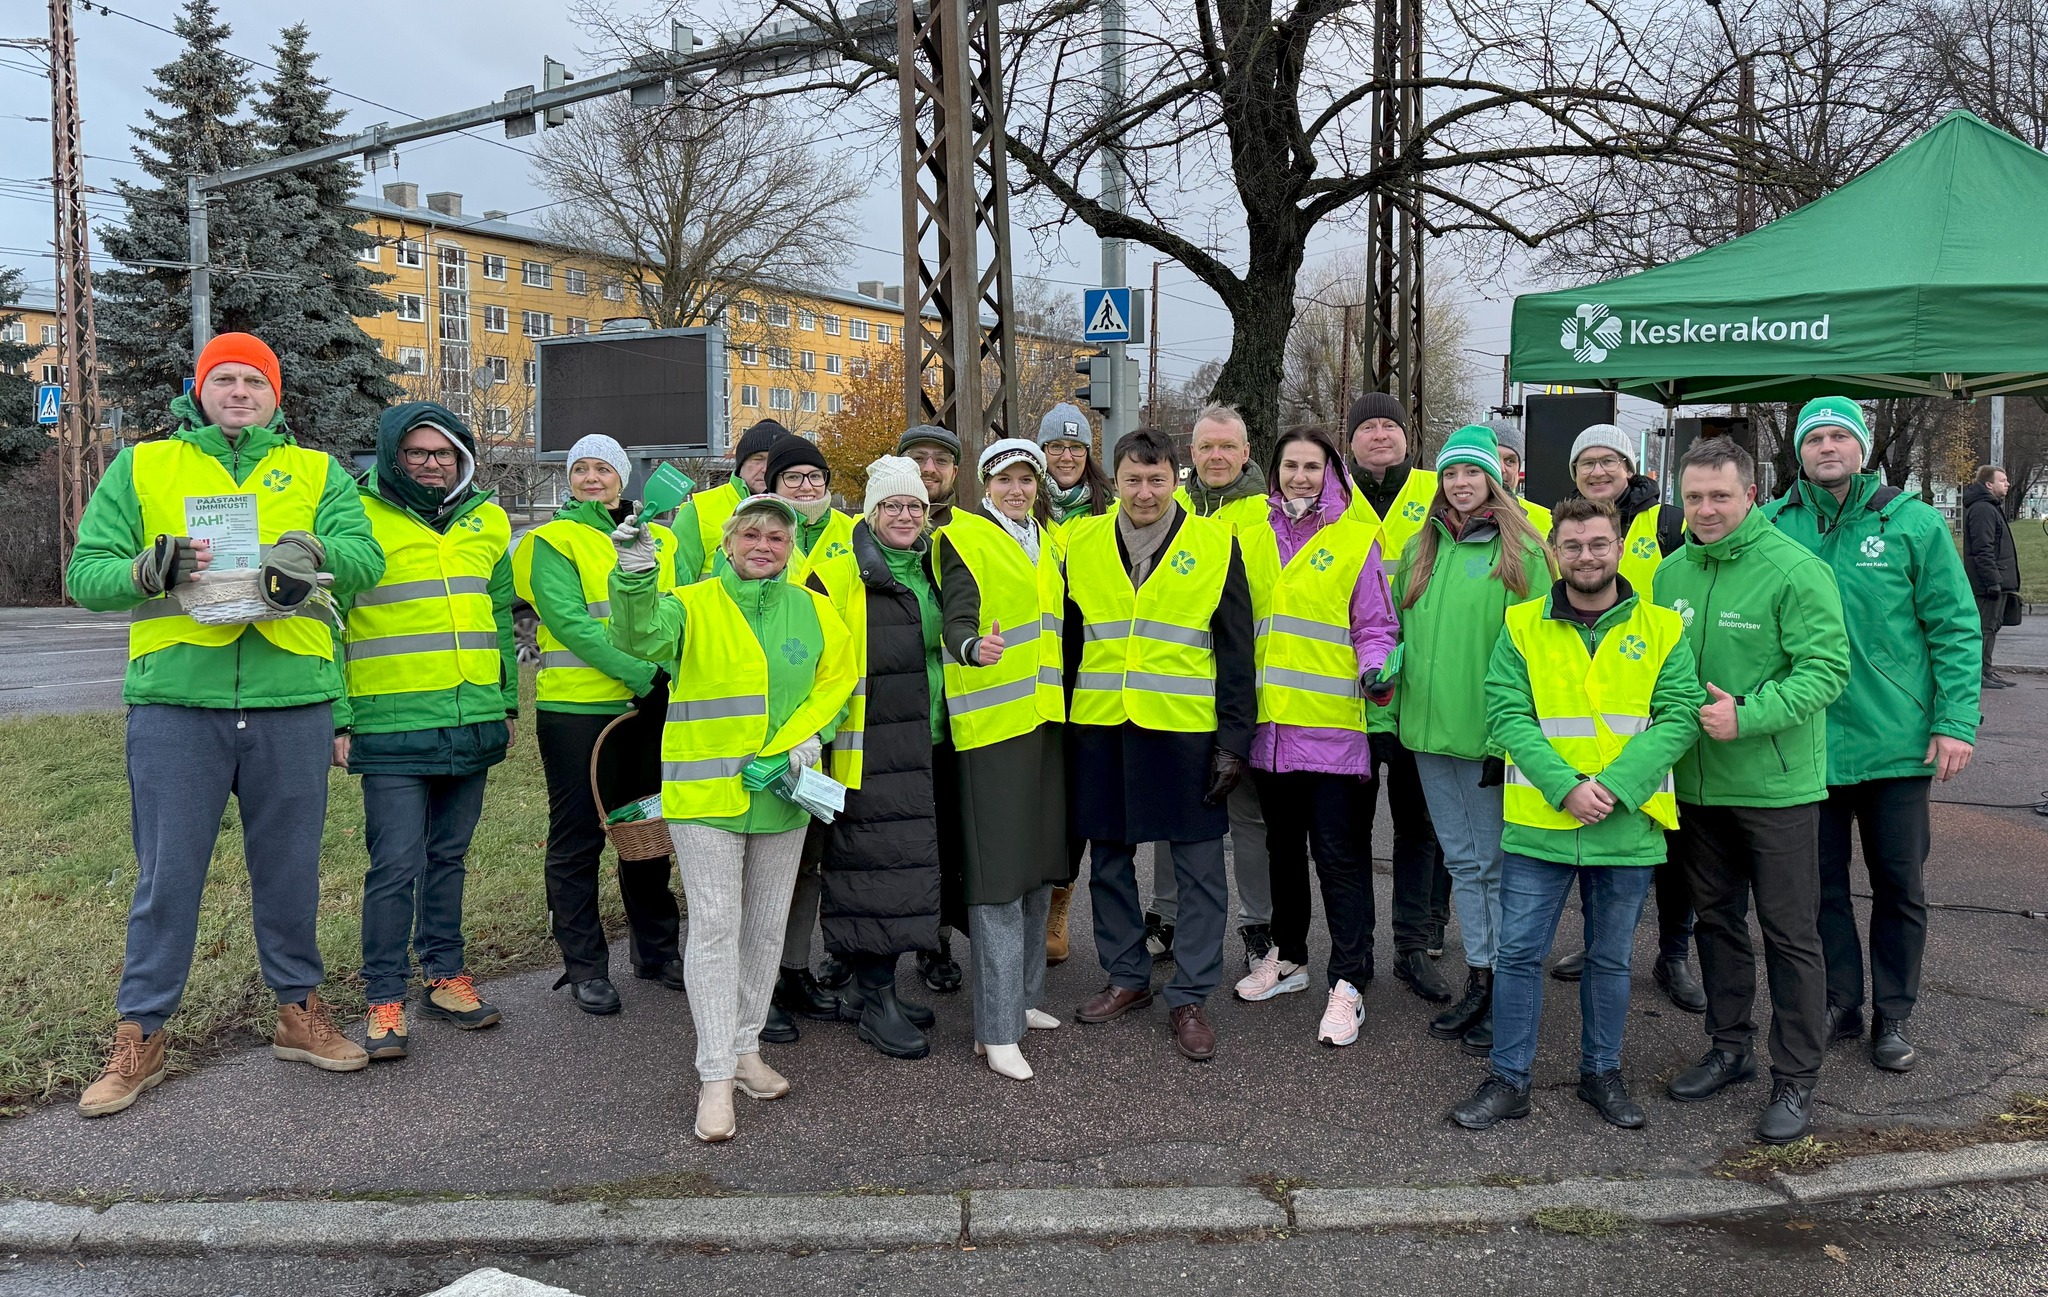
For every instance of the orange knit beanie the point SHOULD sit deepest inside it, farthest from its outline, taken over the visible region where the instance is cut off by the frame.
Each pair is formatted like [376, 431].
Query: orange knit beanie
[246, 348]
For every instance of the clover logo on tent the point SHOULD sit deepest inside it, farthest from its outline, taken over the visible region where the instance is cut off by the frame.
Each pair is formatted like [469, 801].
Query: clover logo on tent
[1590, 333]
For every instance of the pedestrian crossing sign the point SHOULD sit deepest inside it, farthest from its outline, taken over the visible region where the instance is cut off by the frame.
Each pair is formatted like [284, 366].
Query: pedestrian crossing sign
[49, 401]
[1106, 314]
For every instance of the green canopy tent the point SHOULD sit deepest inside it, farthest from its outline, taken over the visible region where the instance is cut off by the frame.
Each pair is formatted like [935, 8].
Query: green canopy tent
[1925, 276]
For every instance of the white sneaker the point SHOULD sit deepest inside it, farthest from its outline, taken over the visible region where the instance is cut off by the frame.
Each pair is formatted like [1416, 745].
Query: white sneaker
[1040, 1020]
[1343, 1016]
[1272, 976]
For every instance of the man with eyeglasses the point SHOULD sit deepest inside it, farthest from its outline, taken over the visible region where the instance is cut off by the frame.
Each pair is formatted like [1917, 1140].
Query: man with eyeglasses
[936, 452]
[1603, 468]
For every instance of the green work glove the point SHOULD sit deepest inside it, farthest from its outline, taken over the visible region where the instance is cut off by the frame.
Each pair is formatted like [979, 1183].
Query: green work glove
[163, 565]
[291, 570]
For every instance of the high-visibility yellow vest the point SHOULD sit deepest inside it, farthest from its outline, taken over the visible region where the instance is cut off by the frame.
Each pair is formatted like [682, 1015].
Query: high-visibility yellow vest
[564, 677]
[835, 541]
[1308, 668]
[287, 483]
[1641, 554]
[1024, 688]
[429, 624]
[1539, 517]
[713, 508]
[848, 595]
[1403, 521]
[1590, 707]
[718, 702]
[1245, 511]
[1147, 655]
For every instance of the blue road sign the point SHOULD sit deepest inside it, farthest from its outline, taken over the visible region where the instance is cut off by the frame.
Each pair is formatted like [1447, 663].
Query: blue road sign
[188, 386]
[49, 401]
[1106, 314]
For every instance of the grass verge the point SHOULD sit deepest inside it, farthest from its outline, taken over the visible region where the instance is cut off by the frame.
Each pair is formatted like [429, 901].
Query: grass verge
[2031, 541]
[2025, 1118]
[1583, 1222]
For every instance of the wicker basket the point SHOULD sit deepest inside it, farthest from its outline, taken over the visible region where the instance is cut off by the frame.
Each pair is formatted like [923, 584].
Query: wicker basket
[227, 598]
[635, 839]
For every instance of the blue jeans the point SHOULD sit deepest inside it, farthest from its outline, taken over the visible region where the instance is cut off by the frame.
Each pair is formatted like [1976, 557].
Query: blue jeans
[418, 829]
[1533, 894]
[1467, 819]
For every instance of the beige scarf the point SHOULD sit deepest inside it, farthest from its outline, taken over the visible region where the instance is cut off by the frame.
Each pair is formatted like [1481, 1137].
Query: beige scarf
[1143, 543]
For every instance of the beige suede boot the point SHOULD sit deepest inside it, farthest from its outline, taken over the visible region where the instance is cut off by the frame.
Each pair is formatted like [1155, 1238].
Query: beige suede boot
[715, 1121]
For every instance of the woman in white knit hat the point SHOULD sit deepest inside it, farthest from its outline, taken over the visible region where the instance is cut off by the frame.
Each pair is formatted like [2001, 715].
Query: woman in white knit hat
[1002, 593]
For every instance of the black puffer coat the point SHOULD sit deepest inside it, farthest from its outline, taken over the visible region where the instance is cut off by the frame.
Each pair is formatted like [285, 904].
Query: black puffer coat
[881, 869]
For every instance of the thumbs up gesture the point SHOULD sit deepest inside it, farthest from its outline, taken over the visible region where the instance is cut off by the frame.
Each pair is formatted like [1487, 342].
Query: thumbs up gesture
[1717, 718]
[990, 650]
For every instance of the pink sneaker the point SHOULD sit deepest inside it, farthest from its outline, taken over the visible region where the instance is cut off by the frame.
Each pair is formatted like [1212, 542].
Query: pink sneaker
[1272, 976]
[1343, 1016]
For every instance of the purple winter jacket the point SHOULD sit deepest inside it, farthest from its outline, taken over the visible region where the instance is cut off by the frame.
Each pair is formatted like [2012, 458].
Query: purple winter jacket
[1374, 629]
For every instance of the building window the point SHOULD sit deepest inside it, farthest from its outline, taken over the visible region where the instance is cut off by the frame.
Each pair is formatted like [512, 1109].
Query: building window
[750, 395]
[455, 317]
[526, 424]
[494, 266]
[834, 403]
[53, 374]
[536, 324]
[498, 420]
[857, 330]
[369, 255]
[834, 365]
[499, 368]
[749, 354]
[18, 332]
[778, 315]
[532, 373]
[411, 253]
[536, 274]
[832, 325]
[805, 320]
[49, 334]
[749, 313]
[454, 263]
[808, 361]
[575, 281]
[577, 326]
[412, 360]
[614, 291]
[810, 403]
[412, 306]
[778, 357]
[883, 333]
[497, 319]
[779, 398]
[857, 367]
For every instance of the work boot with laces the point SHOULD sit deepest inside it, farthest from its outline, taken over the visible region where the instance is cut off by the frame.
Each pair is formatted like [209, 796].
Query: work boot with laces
[454, 999]
[1056, 945]
[134, 1065]
[384, 1034]
[307, 1034]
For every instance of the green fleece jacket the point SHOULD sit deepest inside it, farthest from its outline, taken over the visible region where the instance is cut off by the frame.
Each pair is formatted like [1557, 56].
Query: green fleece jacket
[1515, 726]
[1765, 625]
[1915, 643]
[648, 623]
[250, 672]
[1440, 700]
[558, 601]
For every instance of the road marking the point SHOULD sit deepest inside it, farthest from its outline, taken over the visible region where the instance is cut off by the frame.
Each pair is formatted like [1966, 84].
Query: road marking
[50, 653]
[66, 684]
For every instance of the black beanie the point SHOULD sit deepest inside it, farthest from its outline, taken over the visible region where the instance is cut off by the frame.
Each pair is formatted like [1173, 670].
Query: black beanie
[761, 437]
[792, 451]
[1374, 405]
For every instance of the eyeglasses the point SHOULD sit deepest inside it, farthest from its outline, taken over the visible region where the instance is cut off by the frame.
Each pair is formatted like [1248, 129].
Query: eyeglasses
[1066, 450]
[933, 458]
[414, 455]
[901, 508]
[1591, 549]
[1605, 463]
[812, 478]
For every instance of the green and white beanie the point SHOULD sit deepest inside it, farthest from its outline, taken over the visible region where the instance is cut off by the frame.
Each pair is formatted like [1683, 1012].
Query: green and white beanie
[1471, 444]
[1837, 412]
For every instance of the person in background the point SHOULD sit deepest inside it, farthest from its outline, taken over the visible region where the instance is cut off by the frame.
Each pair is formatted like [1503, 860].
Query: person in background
[1593, 693]
[1603, 466]
[936, 452]
[797, 472]
[1159, 642]
[1907, 718]
[215, 710]
[1391, 494]
[1765, 625]
[563, 568]
[1477, 557]
[700, 522]
[1993, 562]
[433, 693]
[1080, 486]
[762, 669]
[1003, 597]
[1324, 626]
[1513, 447]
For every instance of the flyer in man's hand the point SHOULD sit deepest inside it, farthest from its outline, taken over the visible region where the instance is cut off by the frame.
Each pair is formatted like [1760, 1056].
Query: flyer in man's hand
[229, 523]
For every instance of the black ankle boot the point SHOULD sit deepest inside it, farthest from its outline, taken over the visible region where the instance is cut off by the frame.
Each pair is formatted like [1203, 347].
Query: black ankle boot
[833, 973]
[1454, 1022]
[920, 1015]
[882, 1023]
[797, 992]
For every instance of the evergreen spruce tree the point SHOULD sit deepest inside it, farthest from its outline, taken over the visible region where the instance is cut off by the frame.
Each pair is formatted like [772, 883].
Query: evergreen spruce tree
[22, 441]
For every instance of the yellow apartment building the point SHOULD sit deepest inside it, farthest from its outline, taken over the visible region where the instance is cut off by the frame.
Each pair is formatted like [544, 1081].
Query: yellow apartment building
[37, 310]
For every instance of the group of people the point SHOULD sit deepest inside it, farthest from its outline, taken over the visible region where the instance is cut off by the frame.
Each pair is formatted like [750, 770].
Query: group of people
[1704, 701]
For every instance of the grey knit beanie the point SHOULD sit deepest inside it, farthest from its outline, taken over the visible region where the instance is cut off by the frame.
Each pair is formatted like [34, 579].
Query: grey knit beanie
[1608, 436]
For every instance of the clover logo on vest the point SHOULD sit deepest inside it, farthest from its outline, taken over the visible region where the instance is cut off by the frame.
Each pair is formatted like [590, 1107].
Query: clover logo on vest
[1590, 333]
[1414, 510]
[835, 549]
[1873, 546]
[1182, 562]
[794, 651]
[1321, 559]
[1633, 647]
[1686, 612]
[276, 480]
[1643, 547]
[470, 522]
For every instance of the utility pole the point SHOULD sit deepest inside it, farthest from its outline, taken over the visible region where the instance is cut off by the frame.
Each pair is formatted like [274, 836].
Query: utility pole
[1344, 368]
[1997, 432]
[80, 457]
[1393, 218]
[1152, 359]
[1117, 420]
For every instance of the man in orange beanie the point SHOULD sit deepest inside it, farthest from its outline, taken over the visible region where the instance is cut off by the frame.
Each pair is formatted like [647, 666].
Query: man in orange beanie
[245, 707]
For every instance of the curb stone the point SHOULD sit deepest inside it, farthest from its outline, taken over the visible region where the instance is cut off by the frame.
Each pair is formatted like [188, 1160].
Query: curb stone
[1655, 1201]
[1023, 1215]
[1893, 1172]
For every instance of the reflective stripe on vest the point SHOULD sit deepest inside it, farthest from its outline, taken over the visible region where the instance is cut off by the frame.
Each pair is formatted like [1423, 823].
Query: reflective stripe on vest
[1641, 554]
[1022, 690]
[1147, 655]
[718, 703]
[713, 508]
[1589, 707]
[429, 624]
[1308, 668]
[287, 483]
[564, 677]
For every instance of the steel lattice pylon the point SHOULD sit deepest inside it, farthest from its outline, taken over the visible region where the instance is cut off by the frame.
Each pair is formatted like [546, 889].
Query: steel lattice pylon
[80, 456]
[957, 312]
[1393, 343]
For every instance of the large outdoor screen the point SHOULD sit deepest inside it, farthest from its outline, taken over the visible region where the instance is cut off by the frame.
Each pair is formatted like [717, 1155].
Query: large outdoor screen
[652, 388]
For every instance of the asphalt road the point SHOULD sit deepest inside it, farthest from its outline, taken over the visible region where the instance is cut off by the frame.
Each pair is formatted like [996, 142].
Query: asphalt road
[61, 660]
[1969, 1241]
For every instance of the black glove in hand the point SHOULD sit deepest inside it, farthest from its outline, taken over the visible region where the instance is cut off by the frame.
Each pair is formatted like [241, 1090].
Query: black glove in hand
[1493, 772]
[1378, 692]
[164, 564]
[1226, 769]
[291, 570]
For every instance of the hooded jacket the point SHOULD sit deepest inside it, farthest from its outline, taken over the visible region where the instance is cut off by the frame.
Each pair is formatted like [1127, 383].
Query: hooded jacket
[251, 671]
[1765, 624]
[1994, 563]
[1642, 493]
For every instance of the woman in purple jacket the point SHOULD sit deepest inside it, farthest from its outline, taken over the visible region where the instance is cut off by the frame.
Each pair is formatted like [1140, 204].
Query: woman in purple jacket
[1325, 626]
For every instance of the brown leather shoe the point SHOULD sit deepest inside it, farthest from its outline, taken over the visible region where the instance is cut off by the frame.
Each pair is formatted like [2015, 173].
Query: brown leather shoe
[308, 1035]
[1192, 1034]
[1056, 948]
[134, 1066]
[1112, 1002]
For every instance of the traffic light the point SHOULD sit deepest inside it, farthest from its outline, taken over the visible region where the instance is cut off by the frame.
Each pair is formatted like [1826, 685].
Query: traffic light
[1098, 392]
[554, 76]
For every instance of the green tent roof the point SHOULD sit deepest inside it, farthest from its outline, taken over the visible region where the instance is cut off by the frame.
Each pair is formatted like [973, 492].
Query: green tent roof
[1927, 274]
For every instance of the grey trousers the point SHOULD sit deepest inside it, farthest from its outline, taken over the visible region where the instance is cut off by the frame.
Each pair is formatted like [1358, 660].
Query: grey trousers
[803, 916]
[1008, 943]
[737, 886]
[183, 762]
[1247, 851]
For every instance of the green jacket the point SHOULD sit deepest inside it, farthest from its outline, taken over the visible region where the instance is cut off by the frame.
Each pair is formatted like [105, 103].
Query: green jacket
[650, 625]
[251, 672]
[1765, 625]
[1915, 644]
[689, 532]
[1441, 698]
[1514, 726]
[558, 600]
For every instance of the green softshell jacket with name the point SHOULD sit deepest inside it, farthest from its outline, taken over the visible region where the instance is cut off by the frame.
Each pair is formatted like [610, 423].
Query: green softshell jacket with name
[1765, 624]
[558, 600]
[1915, 644]
[250, 672]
